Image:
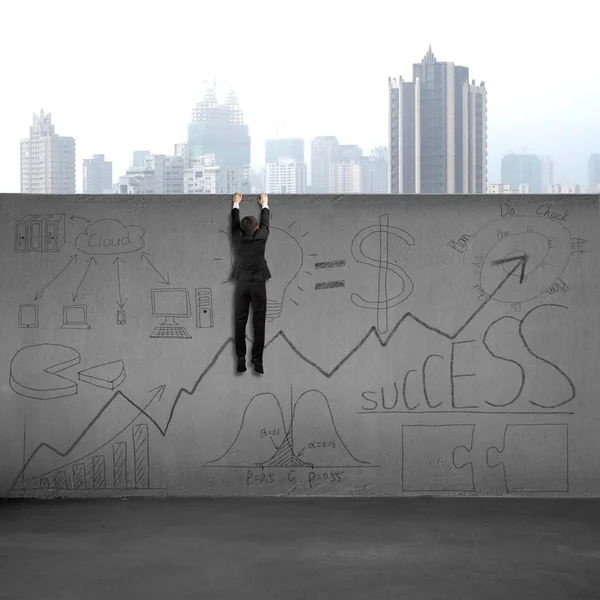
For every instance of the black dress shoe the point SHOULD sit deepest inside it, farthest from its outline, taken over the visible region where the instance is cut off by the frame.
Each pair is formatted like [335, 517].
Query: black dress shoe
[241, 367]
[258, 366]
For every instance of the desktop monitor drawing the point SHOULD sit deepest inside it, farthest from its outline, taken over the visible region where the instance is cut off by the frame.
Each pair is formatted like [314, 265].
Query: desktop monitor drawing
[75, 317]
[170, 304]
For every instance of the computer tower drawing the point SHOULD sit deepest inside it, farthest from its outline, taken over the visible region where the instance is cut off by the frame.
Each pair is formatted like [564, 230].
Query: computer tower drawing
[36, 233]
[204, 308]
[54, 238]
[22, 233]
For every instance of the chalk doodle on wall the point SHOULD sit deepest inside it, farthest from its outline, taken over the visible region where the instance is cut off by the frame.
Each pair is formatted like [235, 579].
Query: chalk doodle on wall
[513, 260]
[40, 233]
[110, 236]
[428, 463]
[35, 371]
[29, 315]
[531, 448]
[171, 304]
[311, 440]
[548, 245]
[122, 464]
[382, 259]
[286, 261]
[75, 316]
[441, 458]
[543, 384]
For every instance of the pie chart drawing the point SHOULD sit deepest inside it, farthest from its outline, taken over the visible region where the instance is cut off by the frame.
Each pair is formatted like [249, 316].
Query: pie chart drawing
[35, 371]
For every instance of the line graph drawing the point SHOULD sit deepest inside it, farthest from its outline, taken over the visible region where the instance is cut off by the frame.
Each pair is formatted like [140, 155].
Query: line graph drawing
[109, 469]
[163, 427]
[384, 264]
[301, 444]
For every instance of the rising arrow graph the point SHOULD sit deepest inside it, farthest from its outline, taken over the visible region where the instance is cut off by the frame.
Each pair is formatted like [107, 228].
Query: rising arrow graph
[159, 391]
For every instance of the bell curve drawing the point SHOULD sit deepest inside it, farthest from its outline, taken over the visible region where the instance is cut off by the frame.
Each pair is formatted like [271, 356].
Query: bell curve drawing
[310, 440]
[395, 359]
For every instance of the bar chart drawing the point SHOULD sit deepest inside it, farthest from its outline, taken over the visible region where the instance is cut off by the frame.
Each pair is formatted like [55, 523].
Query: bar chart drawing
[128, 459]
[98, 473]
[79, 476]
[141, 456]
[120, 465]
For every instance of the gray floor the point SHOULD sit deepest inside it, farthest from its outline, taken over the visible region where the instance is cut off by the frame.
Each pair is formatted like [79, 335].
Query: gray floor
[301, 548]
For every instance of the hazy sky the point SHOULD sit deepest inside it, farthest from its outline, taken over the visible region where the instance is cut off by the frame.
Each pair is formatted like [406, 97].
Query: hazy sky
[124, 75]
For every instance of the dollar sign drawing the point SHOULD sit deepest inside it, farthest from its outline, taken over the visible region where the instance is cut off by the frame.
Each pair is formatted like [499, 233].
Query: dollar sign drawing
[382, 261]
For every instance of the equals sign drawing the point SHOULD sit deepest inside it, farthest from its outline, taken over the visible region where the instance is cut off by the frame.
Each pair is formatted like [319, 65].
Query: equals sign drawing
[330, 265]
[329, 285]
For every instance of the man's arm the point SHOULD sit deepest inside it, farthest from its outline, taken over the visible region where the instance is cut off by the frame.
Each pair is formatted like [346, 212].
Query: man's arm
[235, 213]
[265, 214]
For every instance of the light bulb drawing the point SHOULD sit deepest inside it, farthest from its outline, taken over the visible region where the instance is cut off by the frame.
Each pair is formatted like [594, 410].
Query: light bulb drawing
[285, 258]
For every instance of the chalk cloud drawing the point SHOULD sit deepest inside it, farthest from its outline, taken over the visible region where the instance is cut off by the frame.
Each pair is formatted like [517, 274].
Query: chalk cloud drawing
[110, 236]
[35, 371]
[383, 260]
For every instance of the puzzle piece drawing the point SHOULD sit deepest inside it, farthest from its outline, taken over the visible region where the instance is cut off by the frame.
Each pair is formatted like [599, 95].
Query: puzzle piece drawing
[534, 458]
[428, 458]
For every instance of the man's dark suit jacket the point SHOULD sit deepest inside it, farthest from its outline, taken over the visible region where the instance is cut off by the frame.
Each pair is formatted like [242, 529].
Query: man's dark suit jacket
[251, 264]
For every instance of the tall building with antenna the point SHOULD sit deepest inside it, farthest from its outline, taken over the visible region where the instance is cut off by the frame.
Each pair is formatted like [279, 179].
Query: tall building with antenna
[218, 130]
[437, 131]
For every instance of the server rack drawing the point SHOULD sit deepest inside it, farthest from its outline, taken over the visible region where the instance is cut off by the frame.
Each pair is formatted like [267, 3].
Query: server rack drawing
[40, 233]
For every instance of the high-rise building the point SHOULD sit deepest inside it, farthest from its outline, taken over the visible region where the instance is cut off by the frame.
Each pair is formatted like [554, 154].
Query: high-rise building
[47, 159]
[97, 175]
[437, 130]
[219, 130]
[547, 173]
[594, 173]
[286, 176]
[284, 148]
[517, 169]
[348, 152]
[207, 174]
[377, 175]
[348, 177]
[139, 158]
[324, 152]
[160, 174]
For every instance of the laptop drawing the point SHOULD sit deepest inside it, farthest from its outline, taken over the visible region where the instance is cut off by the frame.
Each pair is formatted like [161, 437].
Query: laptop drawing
[75, 317]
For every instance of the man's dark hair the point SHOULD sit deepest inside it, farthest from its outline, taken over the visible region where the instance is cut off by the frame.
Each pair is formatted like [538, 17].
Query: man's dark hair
[248, 225]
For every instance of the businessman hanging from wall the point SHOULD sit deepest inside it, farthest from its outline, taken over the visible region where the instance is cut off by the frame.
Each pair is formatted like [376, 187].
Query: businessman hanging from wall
[251, 273]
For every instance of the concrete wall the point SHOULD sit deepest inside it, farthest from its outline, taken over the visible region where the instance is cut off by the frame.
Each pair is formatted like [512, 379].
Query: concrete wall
[402, 358]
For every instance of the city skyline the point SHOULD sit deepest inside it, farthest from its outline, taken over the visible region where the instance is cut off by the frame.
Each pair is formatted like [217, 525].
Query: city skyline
[351, 104]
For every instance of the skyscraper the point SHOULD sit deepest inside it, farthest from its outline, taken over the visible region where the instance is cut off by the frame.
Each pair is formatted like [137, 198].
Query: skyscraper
[286, 176]
[219, 130]
[437, 130]
[284, 148]
[594, 173]
[47, 159]
[97, 175]
[547, 173]
[517, 169]
[324, 152]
